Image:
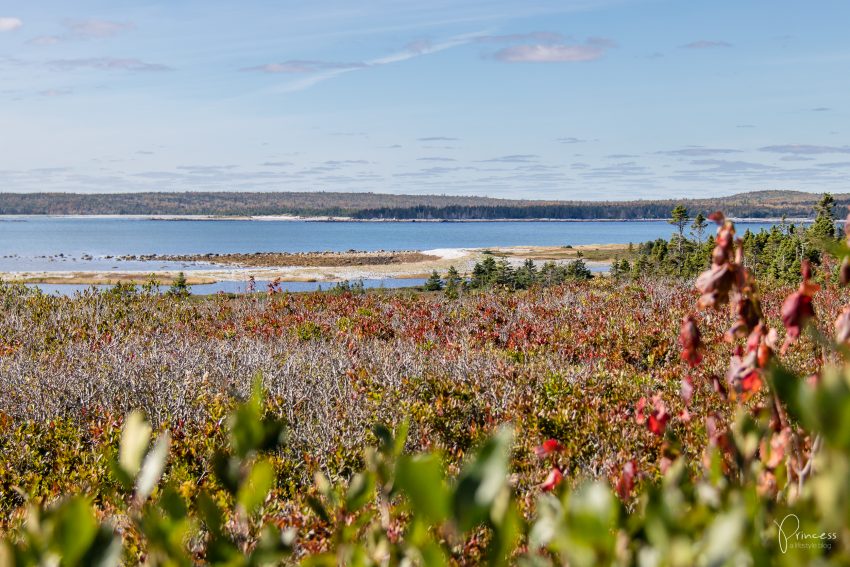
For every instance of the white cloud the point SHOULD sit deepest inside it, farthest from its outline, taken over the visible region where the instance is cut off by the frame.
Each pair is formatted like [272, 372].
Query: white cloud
[706, 44]
[85, 29]
[105, 64]
[302, 66]
[591, 50]
[45, 40]
[10, 24]
[694, 151]
[805, 149]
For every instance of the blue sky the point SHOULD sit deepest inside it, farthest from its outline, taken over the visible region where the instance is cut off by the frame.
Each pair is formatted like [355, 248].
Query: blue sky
[568, 99]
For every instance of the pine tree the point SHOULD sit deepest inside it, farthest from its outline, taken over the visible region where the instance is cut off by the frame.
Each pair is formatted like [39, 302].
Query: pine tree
[180, 288]
[453, 283]
[578, 270]
[434, 283]
[699, 225]
[679, 218]
[824, 226]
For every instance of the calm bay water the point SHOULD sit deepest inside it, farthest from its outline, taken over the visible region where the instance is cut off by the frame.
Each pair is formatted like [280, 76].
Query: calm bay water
[237, 286]
[57, 244]
[35, 243]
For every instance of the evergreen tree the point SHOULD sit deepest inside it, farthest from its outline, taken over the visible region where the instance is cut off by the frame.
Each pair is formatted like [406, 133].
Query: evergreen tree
[434, 283]
[526, 276]
[699, 225]
[504, 275]
[824, 226]
[180, 288]
[577, 270]
[679, 218]
[484, 273]
[453, 283]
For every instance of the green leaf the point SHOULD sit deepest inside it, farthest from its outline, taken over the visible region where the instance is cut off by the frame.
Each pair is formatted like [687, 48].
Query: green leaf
[360, 491]
[421, 479]
[74, 530]
[153, 467]
[401, 437]
[105, 550]
[482, 480]
[134, 440]
[384, 436]
[319, 508]
[794, 393]
[246, 429]
[507, 530]
[256, 488]
[210, 513]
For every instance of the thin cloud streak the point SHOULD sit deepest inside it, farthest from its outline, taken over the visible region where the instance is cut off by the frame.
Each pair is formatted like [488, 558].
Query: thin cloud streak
[706, 44]
[417, 51]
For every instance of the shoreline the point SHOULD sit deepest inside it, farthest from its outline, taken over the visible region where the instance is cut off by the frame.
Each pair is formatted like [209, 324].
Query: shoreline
[596, 256]
[320, 218]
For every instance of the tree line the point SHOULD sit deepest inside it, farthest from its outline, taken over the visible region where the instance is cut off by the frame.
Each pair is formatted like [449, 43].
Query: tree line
[775, 254]
[500, 274]
[375, 206]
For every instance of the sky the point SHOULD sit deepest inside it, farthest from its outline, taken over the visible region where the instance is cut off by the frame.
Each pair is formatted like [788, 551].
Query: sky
[566, 99]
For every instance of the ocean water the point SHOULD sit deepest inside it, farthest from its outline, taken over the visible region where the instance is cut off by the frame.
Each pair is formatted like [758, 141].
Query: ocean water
[29, 243]
[236, 286]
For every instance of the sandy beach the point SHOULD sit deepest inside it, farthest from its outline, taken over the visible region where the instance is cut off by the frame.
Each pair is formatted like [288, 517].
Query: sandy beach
[331, 267]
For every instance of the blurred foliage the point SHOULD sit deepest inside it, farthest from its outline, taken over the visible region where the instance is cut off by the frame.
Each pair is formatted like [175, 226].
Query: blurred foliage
[551, 426]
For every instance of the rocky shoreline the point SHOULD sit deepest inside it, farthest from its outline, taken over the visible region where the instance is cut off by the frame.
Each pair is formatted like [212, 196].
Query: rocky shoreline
[299, 259]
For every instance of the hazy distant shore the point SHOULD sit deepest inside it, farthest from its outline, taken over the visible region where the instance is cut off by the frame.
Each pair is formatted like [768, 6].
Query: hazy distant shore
[296, 218]
[341, 267]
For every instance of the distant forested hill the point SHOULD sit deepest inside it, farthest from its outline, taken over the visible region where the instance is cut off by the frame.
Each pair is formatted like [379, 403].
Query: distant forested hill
[760, 204]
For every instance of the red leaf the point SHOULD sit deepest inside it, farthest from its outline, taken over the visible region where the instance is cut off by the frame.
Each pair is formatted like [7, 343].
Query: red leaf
[657, 421]
[552, 480]
[690, 341]
[751, 383]
[717, 217]
[548, 447]
[687, 389]
[626, 482]
[640, 417]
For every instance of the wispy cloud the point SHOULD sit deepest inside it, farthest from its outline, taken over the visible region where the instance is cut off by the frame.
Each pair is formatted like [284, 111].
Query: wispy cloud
[571, 140]
[55, 92]
[45, 40]
[437, 139]
[821, 109]
[836, 164]
[796, 158]
[435, 159]
[540, 36]
[805, 149]
[8, 24]
[729, 166]
[302, 66]
[105, 64]
[697, 151]
[78, 30]
[706, 44]
[415, 49]
[514, 158]
[89, 29]
[590, 50]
